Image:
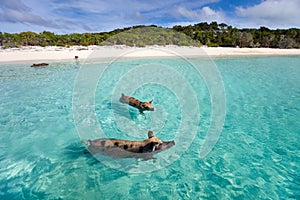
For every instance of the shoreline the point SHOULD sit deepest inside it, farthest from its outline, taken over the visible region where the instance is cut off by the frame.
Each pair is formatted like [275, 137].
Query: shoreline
[36, 54]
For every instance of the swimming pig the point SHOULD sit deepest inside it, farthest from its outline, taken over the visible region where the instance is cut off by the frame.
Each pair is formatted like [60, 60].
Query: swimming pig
[127, 148]
[142, 106]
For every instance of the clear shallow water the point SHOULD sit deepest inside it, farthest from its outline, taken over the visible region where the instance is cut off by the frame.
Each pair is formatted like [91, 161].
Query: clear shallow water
[257, 155]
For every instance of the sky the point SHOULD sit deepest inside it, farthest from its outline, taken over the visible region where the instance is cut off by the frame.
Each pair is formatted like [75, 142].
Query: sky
[70, 16]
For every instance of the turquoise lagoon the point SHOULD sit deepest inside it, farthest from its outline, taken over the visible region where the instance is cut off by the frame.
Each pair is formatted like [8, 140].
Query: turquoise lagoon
[257, 155]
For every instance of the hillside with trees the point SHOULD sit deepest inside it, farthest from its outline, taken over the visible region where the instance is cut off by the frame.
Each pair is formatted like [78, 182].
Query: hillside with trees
[209, 34]
[215, 34]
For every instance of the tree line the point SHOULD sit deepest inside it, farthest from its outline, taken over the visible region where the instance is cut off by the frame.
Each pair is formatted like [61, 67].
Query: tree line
[215, 34]
[209, 34]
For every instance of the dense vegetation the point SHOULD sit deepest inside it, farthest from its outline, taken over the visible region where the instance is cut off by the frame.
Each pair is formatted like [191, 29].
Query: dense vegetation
[151, 36]
[212, 34]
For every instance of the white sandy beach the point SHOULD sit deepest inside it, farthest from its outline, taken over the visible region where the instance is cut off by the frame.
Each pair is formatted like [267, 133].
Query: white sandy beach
[50, 54]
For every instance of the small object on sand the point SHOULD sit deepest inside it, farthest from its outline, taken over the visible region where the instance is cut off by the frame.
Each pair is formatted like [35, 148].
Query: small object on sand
[39, 65]
[80, 49]
[76, 57]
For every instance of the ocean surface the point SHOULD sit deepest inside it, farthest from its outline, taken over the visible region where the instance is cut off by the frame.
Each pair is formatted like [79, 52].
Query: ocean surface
[47, 113]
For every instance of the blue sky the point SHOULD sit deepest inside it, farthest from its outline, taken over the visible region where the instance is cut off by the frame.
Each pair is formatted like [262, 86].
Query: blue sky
[69, 16]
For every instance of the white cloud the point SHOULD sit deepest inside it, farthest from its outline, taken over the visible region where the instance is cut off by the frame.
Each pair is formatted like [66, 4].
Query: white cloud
[14, 11]
[90, 15]
[36, 16]
[108, 15]
[271, 13]
[200, 15]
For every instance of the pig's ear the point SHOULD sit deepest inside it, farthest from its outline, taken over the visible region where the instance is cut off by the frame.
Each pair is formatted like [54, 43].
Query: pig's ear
[151, 101]
[150, 134]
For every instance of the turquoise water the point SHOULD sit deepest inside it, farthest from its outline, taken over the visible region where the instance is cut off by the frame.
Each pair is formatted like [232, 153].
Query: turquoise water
[257, 155]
